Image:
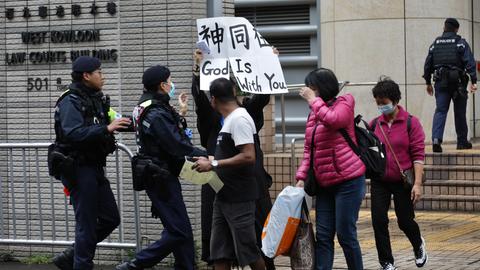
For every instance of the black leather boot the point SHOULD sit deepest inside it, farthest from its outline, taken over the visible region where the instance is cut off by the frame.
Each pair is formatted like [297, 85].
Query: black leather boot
[131, 265]
[464, 146]
[64, 260]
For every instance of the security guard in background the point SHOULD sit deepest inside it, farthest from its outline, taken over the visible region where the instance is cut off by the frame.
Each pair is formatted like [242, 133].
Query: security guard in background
[450, 60]
[84, 134]
[162, 137]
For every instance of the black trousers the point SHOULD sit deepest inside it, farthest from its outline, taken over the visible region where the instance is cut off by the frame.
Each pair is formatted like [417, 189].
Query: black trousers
[96, 213]
[263, 207]
[381, 193]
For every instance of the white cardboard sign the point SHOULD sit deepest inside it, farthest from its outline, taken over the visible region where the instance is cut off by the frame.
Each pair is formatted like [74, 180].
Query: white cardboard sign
[235, 45]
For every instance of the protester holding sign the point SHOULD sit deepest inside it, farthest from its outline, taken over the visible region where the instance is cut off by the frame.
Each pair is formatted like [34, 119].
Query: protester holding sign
[233, 236]
[209, 124]
[338, 171]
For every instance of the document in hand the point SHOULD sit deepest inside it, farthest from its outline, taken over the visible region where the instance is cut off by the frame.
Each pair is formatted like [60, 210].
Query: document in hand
[198, 178]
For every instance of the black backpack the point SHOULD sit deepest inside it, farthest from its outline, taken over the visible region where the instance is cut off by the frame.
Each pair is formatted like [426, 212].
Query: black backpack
[369, 148]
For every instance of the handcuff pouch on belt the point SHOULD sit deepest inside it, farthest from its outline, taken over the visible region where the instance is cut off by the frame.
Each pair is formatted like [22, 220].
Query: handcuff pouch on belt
[452, 78]
[60, 164]
[145, 170]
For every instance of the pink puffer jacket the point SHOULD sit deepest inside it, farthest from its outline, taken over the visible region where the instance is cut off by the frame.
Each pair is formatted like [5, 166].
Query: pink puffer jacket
[334, 162]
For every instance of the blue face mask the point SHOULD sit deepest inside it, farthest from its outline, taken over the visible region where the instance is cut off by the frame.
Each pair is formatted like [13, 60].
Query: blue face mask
[386, 109]
[172, 90]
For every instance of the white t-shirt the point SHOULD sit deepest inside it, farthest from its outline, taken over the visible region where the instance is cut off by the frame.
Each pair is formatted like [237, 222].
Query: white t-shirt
[239, 124]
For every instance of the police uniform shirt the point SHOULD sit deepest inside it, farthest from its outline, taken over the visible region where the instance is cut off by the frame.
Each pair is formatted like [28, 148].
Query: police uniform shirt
[239, 182]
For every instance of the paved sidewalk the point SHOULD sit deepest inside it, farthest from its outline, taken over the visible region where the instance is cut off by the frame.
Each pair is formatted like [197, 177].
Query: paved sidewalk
[453, 242]
[19, 266]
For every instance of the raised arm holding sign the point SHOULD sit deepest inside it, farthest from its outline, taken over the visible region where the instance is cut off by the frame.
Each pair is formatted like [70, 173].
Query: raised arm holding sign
[236, 45]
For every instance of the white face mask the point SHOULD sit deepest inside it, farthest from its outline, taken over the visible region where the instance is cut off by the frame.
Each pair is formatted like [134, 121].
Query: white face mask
[386, 109]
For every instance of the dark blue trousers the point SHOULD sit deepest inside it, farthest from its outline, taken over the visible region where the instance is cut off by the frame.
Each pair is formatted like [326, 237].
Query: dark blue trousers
[96, 213]
[177, 236]
[337, 210]
[443, 96]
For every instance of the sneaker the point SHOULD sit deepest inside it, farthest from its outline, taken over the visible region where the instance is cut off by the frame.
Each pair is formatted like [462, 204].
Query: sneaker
[421, 257]
[463, 146]
[64, 260]
[388, 266]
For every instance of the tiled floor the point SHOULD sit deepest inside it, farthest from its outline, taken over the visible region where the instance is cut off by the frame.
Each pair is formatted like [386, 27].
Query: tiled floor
[453, 242]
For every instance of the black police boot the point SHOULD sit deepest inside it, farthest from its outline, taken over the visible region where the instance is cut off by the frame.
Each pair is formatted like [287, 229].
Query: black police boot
[131, 265]
[64, 260]
[467, 145]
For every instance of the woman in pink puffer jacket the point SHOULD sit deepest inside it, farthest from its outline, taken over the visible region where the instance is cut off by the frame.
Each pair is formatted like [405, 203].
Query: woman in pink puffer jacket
[338, 170]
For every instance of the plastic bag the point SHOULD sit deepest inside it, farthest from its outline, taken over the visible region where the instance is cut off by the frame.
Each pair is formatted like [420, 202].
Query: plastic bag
[282, 223]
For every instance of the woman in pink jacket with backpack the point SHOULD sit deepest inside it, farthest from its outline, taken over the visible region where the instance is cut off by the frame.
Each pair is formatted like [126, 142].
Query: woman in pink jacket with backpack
[338, 171]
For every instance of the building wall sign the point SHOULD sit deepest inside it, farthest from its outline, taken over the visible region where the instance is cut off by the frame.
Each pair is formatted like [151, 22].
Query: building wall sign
[69, 36]
[55, 36]
[59, 11]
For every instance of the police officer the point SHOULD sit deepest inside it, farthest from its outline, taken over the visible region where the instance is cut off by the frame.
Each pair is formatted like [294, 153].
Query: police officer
[161, 134]
[84, 132]
[450, 60]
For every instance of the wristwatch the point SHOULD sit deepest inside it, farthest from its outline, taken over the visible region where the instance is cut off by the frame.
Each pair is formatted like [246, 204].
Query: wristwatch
[214, 163]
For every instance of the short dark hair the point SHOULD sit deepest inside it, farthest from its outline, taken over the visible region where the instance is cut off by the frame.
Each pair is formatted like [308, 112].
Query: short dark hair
[77, 76]
[387, 88]
[451, 25]
[151, 88]
[223, 90]
[324, 81]
[449, 28]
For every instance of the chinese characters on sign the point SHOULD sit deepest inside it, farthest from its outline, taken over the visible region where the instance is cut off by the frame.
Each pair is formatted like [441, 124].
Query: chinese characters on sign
[60, 11]
[236, 46]
[239, 34]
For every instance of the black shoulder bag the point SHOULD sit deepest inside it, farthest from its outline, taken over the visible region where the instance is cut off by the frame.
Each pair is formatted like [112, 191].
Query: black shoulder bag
[311, 185]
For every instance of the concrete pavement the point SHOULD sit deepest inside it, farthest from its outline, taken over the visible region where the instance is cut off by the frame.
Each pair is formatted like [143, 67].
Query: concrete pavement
[453, 242]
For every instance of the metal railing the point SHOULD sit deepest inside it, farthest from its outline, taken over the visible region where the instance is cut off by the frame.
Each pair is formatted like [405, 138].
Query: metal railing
[33, 208]
[293, 158]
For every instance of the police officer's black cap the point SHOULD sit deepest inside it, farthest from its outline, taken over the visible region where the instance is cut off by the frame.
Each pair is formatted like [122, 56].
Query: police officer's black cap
[86, 64]
[153, 76]
[452, 22]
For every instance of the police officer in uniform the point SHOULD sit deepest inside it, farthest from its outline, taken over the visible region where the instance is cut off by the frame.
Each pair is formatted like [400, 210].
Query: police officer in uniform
[450, 60]
[161, 135]
[84, 126]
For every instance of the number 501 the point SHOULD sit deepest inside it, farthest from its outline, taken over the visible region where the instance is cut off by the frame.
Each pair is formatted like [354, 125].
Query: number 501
[38, 84]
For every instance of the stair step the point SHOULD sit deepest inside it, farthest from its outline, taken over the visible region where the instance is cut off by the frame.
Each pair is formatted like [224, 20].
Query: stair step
[471, 168]
[444, 198]
[472, 159]
[448, 183]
